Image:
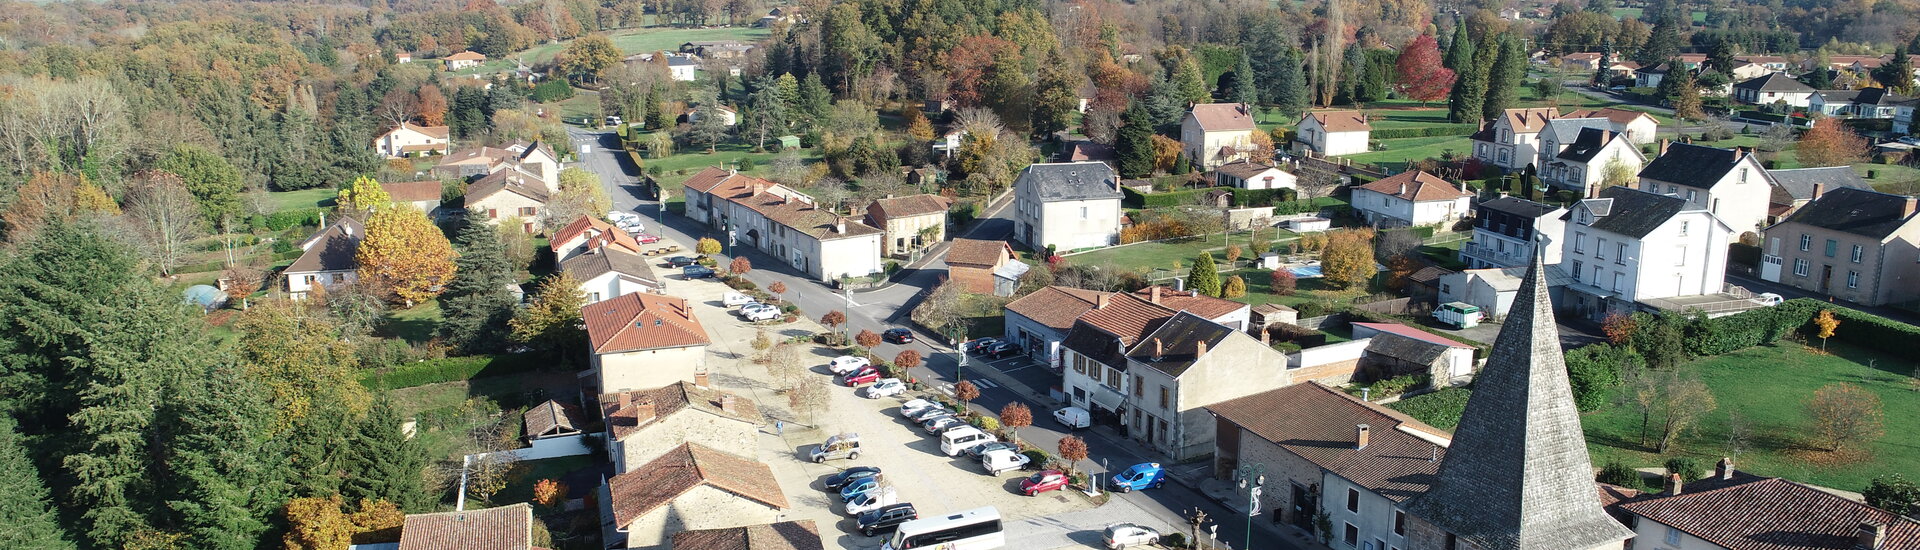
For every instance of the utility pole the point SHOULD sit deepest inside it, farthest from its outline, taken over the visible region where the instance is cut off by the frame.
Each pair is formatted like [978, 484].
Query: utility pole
[958, 334]
[1252, 476]
[847, 327]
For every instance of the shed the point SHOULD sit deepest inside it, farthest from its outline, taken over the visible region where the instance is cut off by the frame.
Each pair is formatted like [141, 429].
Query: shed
[789, 142]
[1266, 315]
[552, 419]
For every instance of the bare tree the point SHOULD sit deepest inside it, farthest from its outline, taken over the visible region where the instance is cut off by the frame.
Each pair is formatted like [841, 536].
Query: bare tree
[1314, 184]
[1845, 415]
[399, 106]
[940, 309]
[1684, 400]
[784, 365]
[808, 398]
[166, 216]
[1739, 434]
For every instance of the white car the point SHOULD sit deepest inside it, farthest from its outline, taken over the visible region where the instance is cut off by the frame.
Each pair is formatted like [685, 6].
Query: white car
[847, 363]
[913, 408]
[1768, 299]
[736, 299]
[886, 387]
[1122, 535]
[1073, 417]
[872, 500]
[758, 314]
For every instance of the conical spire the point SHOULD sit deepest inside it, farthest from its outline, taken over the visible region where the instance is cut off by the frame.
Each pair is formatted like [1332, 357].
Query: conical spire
[1517, 475]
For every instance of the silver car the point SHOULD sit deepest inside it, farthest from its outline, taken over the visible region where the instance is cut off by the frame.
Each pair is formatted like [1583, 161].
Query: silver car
[1123, 535]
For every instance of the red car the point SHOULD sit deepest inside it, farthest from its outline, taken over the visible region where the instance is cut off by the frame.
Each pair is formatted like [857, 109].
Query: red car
[863, 376]
[1049, 480]
[646, 239]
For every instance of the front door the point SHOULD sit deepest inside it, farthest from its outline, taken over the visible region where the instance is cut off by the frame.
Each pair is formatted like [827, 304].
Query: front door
[1302, 508]
[1826, 277]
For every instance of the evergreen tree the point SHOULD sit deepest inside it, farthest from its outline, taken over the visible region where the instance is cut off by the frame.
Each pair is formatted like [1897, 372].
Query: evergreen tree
[1266, 43]
[1290, 87]
[1133, 142]
[24, 508]
[1056, 97]
[1503, 84]
[1205, 277]
[1167, 103]
[1897, 74]
[1681, 92]
[1663, 45]
[477, 303]
[1243, 89]
[1469, 93]
[1353, 67]
[1821, 77]
[815, 100]
[1192, 81]
[224, 464]
[1720, 57]
[382, 463]
[656, 108]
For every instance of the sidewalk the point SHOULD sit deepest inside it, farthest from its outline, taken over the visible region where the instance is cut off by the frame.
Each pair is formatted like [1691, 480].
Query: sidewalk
[1225, 493]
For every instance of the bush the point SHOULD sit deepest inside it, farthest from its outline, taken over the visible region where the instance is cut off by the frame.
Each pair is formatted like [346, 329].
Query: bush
[1617, 473]
[288, 219]
[1182, 197]
[986, 423]
[1424, 131]
[1440, 409]
[449, 369]
[1175, 539]
[1037, 458]
[1398, 385]
[1594, 372]
[1687, 467]
[552, 90]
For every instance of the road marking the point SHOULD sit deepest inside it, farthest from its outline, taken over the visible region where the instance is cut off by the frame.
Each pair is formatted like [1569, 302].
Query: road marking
[1027, 366]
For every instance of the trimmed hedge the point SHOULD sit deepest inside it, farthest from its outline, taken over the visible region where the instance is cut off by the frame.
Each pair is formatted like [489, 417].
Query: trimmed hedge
[1425, 131]
[287, 219]
[449, 369]
[1243, 198]
[1766, 325]
[1154, 200]
[1440, 409]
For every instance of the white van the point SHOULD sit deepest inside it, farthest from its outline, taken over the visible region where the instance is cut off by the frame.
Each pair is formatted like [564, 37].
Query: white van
[956, 441]
[1073, 418]
[1002, 460]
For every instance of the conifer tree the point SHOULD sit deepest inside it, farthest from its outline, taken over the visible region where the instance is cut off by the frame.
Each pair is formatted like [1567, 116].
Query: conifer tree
[477, 303]
[1205, 277]
[1133, 143]
[1290, 86]
[1897, 73]
[1243, 89]
[383, 463]
[224, 464]
[24, 508]
[1469, 93]
[1056, 96]
[1681, 92]
[815, 100]
[1503, 83]
[1193, 82]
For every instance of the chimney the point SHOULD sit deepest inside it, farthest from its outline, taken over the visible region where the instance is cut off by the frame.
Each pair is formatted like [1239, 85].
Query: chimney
[1403, 189]
[323, 220]
[1360, 436]
[1819, 189]
[1674, 484]
[626, 400]
[1156, 290]
[1159, 349]
[1101, 302]
[1664, 142]
[840, 226]
[1266, 337]
[1724, 469]
[1907, 208]
[1870, 536]
[727, 402]
[1199, 349]
[700, 379]
[759, 188]
[643, 412]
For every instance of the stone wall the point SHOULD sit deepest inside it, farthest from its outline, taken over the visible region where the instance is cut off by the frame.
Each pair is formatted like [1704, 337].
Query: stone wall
[721, 433]
[703, 507]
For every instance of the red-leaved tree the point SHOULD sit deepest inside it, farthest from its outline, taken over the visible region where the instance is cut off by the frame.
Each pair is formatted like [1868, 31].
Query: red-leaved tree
[1420, 76]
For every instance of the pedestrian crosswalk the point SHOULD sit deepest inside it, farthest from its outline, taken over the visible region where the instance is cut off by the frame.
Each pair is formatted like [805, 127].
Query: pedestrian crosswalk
[981, 383]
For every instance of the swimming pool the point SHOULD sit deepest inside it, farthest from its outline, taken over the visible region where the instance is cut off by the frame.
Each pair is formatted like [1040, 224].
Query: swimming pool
[1305, 271]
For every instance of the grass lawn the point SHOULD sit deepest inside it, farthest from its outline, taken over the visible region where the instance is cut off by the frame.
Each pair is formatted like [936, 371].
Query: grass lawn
[526, 473]
[305, 198]
[692, 161]
[1396, 153]
[413, 325]
[1175, 254]
[1260, 291]
[449, 411]
[1447, 254]
[650, 39]
[1767, 386]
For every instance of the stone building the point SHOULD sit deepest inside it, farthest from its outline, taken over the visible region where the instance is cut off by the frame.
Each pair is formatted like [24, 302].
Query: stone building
[644, 424]
[1857, 245]
[643, 340]
[690, 487]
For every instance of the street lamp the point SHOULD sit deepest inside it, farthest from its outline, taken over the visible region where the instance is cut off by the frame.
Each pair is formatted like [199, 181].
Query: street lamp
[958, 334]
[1252, 476]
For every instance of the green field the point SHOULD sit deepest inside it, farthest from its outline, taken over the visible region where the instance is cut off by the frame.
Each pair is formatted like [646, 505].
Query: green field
[649, 39]
[305, 198]
[1395, 154]
[1176, 253]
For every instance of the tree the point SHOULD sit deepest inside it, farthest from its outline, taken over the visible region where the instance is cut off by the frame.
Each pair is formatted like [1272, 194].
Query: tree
[24, 506]
[1469, 92]
[1659, 339]
[833, 319]
[242, 282]
[1549, 89]
[1663, 45]
[581, 195]
[1845, 416]
[784, 364]
[966, 392]
[1243, 91]
[1826, 324]
[777, 288]
[1282, 282]
[1595, 372]
[316, 524]
[590, 56]
[377, 519]
[1619, 474]
[1347, 260]
[1682, 93]
[405, 254]
[383, 462]
[1619, 328]
[1830, 143]
[432, 105]
[1236, 287]
[808, 397]
[1073, 450]
[907, 359]
[1204, 278]
[1893, 493]
[166, 217]
[551, 321]
[1616, 173]
[707, 246]
[1133, 143]
[740, 265]
[363, 195]
[867, 339]
[1896, 74]
[1015, 415]
[301, 358]
[1290, 86]
[1233, 253]
[1056, 97]
[1684, 401]
[1686, 467]
[213, 181]
[478, 300]
[1421, 77]
[1504, 81]
[548, 492]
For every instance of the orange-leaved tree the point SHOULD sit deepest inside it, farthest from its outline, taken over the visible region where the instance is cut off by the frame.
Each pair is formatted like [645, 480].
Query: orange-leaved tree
[406, 253]
[1830, 143]
[1014, 416]
[1825, 324]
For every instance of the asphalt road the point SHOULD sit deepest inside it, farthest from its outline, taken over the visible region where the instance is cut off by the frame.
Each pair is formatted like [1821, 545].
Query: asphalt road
[888, 308]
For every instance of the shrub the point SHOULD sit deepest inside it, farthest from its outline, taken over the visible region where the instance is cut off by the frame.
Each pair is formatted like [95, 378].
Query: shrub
[288, 219]
[1398, 385]
[1440, 409]
[1037, 458]
[1617, 473]
[1424, 131]
[1595, 372]
[986, 423]
[1687, 467]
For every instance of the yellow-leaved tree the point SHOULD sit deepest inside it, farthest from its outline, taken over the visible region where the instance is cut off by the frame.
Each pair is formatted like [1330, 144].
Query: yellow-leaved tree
[405, 253]
[1347, 259]
[364, 194]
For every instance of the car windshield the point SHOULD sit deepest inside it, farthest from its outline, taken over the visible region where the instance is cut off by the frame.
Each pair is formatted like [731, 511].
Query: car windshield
[1037, 478]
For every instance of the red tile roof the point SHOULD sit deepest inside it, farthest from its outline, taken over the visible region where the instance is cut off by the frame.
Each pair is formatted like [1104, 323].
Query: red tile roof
[511, 179]
[1056, 306]
[503, 528]
[978, 253]
[413, 191]
[642, 321]
[467, 56]
[1341, 121]
[635, 493]
[1127, 317]
[1222, 117]
[786, 535]
[599, 233]
[1320, 424]
[1616, 116]
[1775, 514]
[625, 418]
[1191, 302]
[1527, 121]
[776, 202]
[552, 418]
[910, 205]
[1416, 186]
[1413, 333]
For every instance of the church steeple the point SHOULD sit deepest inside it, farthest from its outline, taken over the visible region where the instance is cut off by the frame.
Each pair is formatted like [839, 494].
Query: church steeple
[1517, 475]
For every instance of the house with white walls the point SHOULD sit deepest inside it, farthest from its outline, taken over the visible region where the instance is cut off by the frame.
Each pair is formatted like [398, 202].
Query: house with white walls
[1411, 198]
[1730, 183]
[1582, 165]
[1506, 230]
[1067, 205]
[1627, 246]
[1333, 133]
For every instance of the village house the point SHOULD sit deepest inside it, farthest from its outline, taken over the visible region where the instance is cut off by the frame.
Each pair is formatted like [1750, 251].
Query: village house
[1583, 166]
[1410, 198]
[1628, 246]
[535, 158]
[1857, 245]
[1246, 174]
[783, 223]
[1561, 132]
[1638, 126]
[1650, 77]
[1794, 188]
[1067, 206]
[1185, 364]
[642, 425]
[1396, 350]
[422, 195]
[326, 259]
[681, 67]
[402, 57]
[1773, 89]
[502, 528]
[1586, 61]
[1491, 289]
[717, 49]
[464, 60]
[1506, 229]
[984, 267]
[611, 272]
[1213, 134]
[1084, 151]
[1323, 450]
[586, 234]
[1622, 70]
[1730, 183]
[642, 340]
[1040, 321]
[911, 223]
[1234, 315]
[413, 140]
[510, 193]
[692, 487]
[785, 535]
[1733, 510]
[1333, 133]
[1511, 141]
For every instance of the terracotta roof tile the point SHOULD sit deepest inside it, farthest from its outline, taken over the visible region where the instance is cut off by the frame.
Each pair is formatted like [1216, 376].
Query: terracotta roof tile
[1223, 117]
[503, 528]
[626, 419]
[599, 233]
[1416, 186]
[1527, 121]
[1342, 121]
[1616, 116]
[910, 205]
[635, 493]
[786, 535]
[413, 191]
[467, 56]
[1320, 424]
[1191, 302]
[978, 253]
[1413, 333]
[1056, 306]
[1775, 514]
[1244, 169]
[642, 321]
[552, 418]
[510, 179]
[776, 202]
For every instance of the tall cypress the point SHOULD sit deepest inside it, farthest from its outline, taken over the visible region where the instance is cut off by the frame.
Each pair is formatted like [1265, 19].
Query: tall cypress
[477, 304]
[1204, 278]
[1133, 143]
[24, 508]
[382, 463]
[1470, 85]
[225, 468]
[1243, 88]
[1503, 83]
[1290, 92]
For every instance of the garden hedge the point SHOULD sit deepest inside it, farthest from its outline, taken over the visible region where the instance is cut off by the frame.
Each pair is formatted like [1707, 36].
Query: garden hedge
[450, 369]
[1156, 200]
[1767, 325]
[1425, 131]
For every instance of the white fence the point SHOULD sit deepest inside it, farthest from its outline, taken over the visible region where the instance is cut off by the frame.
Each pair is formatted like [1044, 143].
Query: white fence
[552, 447]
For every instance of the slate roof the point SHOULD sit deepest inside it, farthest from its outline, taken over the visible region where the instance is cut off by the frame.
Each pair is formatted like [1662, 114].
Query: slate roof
[668, 400]
[1416, 186]
[1879, 96]
[1319, 424]
[1775, 514]
[1517, 475]
[413, 191]
[1070, 181]
[1566, 129]
[1057, 307]
[637, 492]
[1244, 169]
[503, 528]
[1631, 212]
[1837, 96]
[777, 203]
[641, 321]
[331, 250]
[1693, 165]
[1405, 349]
[786, 535]
[1222, 117]
[1178, 342]
[1189, 301]
[1797, 184]
[1869, 214]
[1518, 207]
[978, 253]
[1774, 82]
[1341, 121]
[511, 180]
[1101, 333]
[551, 418]
[910, 205]
[594, 263]
[1589, 144]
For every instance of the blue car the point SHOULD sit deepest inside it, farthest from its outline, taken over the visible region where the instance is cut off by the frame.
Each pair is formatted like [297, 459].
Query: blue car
[1147, 475]
[857, 488]
[696, 272]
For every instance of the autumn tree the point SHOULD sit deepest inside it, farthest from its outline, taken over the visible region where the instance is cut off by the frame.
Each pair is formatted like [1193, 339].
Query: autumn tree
[740, 265]
[406, 254]
[907, 359]
[1236, 287]
[1015, 415]
[966, 392]
[777, 288]
[1824, 325]
[808, 397]
[707, 246]
[1830, 143]
[551, 320]
[784, 364]
[1347, 260]
[165, 216]
[376, 521]
[1421, 77]
[301, 358]
[1845, 416]
[316, 524]
[1619, 328]
[1073, 450]
[242, 282]
[589, 57]
[432, 105]
[1282, 282]
[363, 195]
[833, 319]
[548, 492]
[867, 339]
[1684, 401]
[580, 195]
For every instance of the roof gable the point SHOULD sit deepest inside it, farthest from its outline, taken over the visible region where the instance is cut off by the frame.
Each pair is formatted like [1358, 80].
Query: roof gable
[631, 412]
[1321, 424]
[1222, 117]
[503, 528]
[1697, 166]
[642, 321]
[334, 249]
[1527, 121]
[1180, 342]
[910, 205]
[1183, 300]
[1589, 145]
[599, 261]
[1339, 121]
[1631, 212]
[1416, 186]
[640, 491]
[1775, 82]
[1797, 184]
[978, 253]
[1056, 306]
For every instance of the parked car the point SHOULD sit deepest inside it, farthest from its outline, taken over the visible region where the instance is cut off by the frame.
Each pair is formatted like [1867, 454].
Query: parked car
[629, 224]
[957, 440]
[1001, 349]
[929, 412]
[1145, 475]
[836, 481]
[871, 501]
[1122, 535]
[1073, 418]
[975, 451]
[696, 272]
[859, 487]
[1768, 299]
[866, 375]
[758, 314]
[978, 345]
[645, 238]
[941, 423]
[613, 120]
[736, 299]
[916, 406]
[844, 445]
[1050, 480]
[886, 387]
[998, 462]
[886, 518]
[897, 336]
[679, 261]
[847, 363]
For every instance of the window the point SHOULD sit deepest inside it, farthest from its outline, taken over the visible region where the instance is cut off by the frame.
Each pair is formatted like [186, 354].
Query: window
[1853, 279]
[339, 278]
[1673, 535]
[1163, 397]
[1596, 275]
[1453, 542]
[1576, 271]
[1622, 257]
[1617, 278]
[1579, 242]
[1351, 535]
[1399, 523]
[1683, 228]
[1806, 242]
[1083, 212]
[1832, 247]
[1743, 175]
[1139, 386]
[526, 211]
[1857, 253]
[1504, 157]
[1079, 363]
[1599, 249]
[1353, 500]
[594, 297]
[493, 213]
[1800, 267]
[1691, 196]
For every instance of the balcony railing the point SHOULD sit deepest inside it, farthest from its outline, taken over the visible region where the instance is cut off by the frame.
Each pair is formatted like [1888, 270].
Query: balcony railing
[1512, 257]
